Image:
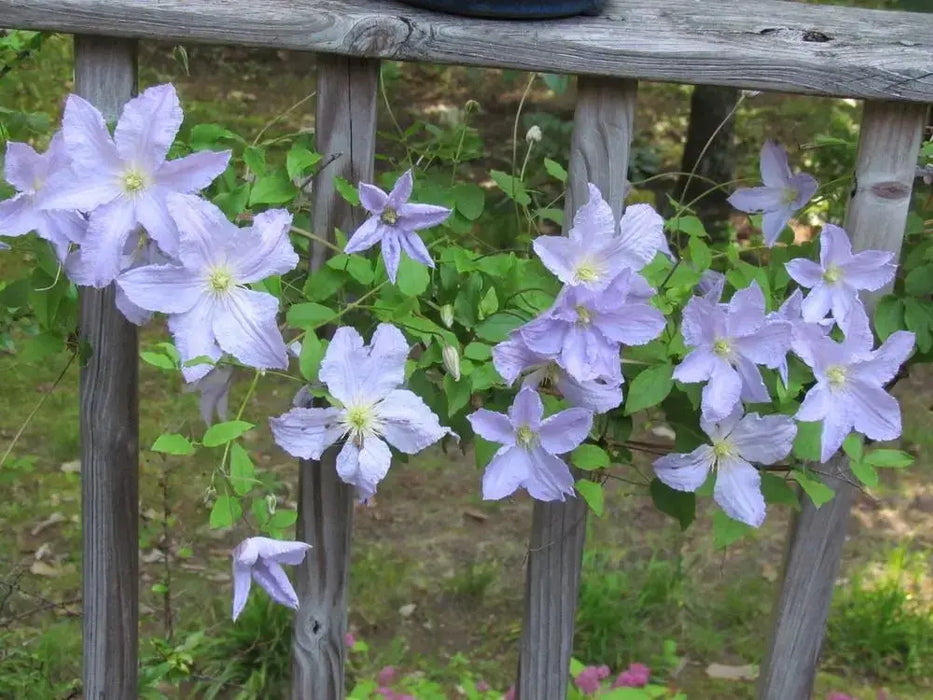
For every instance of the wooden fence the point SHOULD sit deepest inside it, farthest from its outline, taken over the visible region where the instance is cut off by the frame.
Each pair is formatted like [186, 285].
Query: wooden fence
[884, 58]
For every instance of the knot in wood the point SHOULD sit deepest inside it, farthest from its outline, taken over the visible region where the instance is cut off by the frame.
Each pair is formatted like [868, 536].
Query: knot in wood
[374, 36]
[809, 35]
[890, 190]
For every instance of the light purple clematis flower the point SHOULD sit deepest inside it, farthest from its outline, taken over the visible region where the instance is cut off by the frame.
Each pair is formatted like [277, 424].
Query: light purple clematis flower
[512, 358]
[736, 442]
[210, 309]
[370, 410]
[591, 255]
[29, 172]
[711, 286]
[261, 559]
[214, 388]
[394, 223]
[728, 341]
[849, 392]
[124, 181]
[802, 332]
[836, 280]
[584, 330]
[783, 193]
[528, 457]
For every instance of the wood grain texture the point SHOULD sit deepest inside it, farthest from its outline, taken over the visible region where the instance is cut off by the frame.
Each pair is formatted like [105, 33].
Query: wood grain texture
[345, 134]
[599, 151]
[754, 44]
[888, 145]
[105, 75]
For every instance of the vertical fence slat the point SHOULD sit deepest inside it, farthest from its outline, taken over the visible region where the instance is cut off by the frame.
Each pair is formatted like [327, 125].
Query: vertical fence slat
[345, 130]
[105, 75]
[887, 154]
[602, 134]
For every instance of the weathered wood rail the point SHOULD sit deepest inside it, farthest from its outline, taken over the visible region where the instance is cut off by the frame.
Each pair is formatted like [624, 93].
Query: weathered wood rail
[885, 58]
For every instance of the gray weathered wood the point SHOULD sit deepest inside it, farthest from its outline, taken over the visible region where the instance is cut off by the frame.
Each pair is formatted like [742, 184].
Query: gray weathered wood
[888, 145]
[345, 131]
[105, 74]
[599, 153]
[754, 44]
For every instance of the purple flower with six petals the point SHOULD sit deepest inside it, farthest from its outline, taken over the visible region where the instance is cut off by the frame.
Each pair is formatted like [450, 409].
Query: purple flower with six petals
[528, 456]
[261, 558]
[736, 441]
[783, 193]
[394, 222]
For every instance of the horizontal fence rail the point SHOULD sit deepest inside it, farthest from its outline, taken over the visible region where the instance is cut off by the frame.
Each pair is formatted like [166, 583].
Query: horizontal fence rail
[752, 44]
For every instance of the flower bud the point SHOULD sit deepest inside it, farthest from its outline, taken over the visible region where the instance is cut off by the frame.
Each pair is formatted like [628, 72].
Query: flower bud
[534, 134]
[471, 106]
[447, 315]
[452, 362]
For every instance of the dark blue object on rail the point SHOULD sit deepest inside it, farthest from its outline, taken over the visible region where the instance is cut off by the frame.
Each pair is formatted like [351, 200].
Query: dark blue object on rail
[513, 9]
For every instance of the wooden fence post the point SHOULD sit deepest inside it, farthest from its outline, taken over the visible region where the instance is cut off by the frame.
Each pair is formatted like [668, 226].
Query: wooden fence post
[105, 75]
[602, 134]
[345, 130]
[887, 154]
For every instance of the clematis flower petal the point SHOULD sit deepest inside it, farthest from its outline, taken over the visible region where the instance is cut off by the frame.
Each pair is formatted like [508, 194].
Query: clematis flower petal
[685, 472]
[214, 390]
[18, 216]
[875, 413]
[412, 217]
[773, 222]
[745, 311]
[837, 423]
[512, 356]
[87, 139]
[884, 363]
[364, 467]
[764, 439]
[306, 432]
[372, 198]
[264, 248]
[641, 230]
[721, 393]
[564, 431]
[738, 491]
[369, 233]
[768, 345]
[633, 324]
[167, 288]
[804, 272]
[596, 395]
[193, 172]
[261, 558]
[245, 326]
[870, 269]
[592, 221]
[755, 199]
[274, 581]
[703, 322]
[775, 170]
[492, 426]
[753, 386]
[415, 248]
[407, 422]
[527, 408]
[509, 468]
[557, 253]
[391, 254]
[816, 404]
[194, 337]
[148, 125]
[242, 580]
[551, 479]
[201, 225]
[698, 366]
[835, 247]
[401, 190]
[99, 260]
[21, 164]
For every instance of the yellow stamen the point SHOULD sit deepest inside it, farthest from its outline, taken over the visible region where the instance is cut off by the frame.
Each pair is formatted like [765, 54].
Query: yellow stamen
[389, 216]
[722, 347]
[832, 274]
[133, 182]
[836, 376]
[524, 436]
[220, 280]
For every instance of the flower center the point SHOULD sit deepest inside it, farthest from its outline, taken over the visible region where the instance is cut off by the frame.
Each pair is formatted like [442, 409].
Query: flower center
[389, 216]
[722, 347]
[524, 436]
[836, 376]
[133, 182]
[550, 373]
[587, 271]
[832, 274]
[723, 449]
[790, 195]
[220, 280]
[583, 315]
[360, 421]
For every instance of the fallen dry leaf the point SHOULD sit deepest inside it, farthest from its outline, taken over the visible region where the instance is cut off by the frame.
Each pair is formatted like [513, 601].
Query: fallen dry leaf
[41, 568]
[53, 519]
[732, 673]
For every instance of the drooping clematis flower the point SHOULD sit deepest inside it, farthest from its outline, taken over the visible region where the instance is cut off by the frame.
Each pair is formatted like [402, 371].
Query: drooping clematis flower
[836, 280]
[261, 559]
[124, 181]
[782, 194]
[512, 358]
[727, 343]
[584, 330]
[529, 457]
[849, 392]
[210, 309]
[394, 223]
[370, 411]
[214, 390]
[736, 442]
[29, 172]
[711, 286]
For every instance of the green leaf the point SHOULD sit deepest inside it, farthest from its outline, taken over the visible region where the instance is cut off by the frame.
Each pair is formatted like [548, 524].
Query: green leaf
[282, 519]
[496, 328]
[458, 393]
[818, 492]
[172, 444]
[413, 277]
[852, 446]
[242, 471]
[649, 388]
[895, 459]
[680, 505]
[489, 304]
[359, 268]
[690, 225]
[593, 494]
[157, 359]
[777, 490]
[206, 137]
[470, 200]
[917, 317]
[807, 441]
[512, 186]
[919, 281]
[308, 315]
[865, 473]
[226, 511]
[272, 189]
[889, 316]
[727, 531]
[555, 170]
[477, 351]
[222, 433]
[589, 457]
[347, 191]
[483, 451]
[255, 159]
[299, 160]
[312, 353]
[700, 254]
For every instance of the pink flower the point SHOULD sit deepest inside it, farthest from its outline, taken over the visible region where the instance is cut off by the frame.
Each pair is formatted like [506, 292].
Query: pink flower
[386, 676]
[510, 694]
[349, 639]
[840, 696]
[588, 680]
[482, 686]
[635, 676]
[602, 672]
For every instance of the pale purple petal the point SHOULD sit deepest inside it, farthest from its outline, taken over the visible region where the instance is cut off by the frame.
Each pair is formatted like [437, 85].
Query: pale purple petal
[415, 248]
[401, 191]
[745, 311]
[641, 230]
[372, 198]
[306, 432]
[245, 326]
[21, 166]
[194, 172]
[194, 337]
[61, 228]
[764, 439]
[755, 199]
[558, 254]
[835, 248]
[874, 412]
[506, 472]
[88, 141]
[288, 552]
[527, 409]
[152, 212]
[407, 422]
[836, 426]
[147, 126]
[697, 366]
[598, 396]
[634, 324]
[414, 217]
[817, 303]
[71, 191]
[870, 269]
[773, 223]
[753, 386]
[804, 272]
[169, 289]
[720, 428]
[721, 393]
[340, 367]
[685, 472]
[18, 216]
[711, 286]
[99, 260]
[385, 369]
[846, 308]
[593, 220]
[131, 312]
[391, 253]
[775, 171]
[550, 478]
[806, 186]
[738, 491]
[512, 356]
[564, 431]
[816, 404]
[885, 362]
[214, 390]
[544, 335]
[492, 426]
[242, 578]
[264, 248]
[203, 226]
[768, 345]
[274, 581]
[703, 322]
[366, 467]
[368, 234]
